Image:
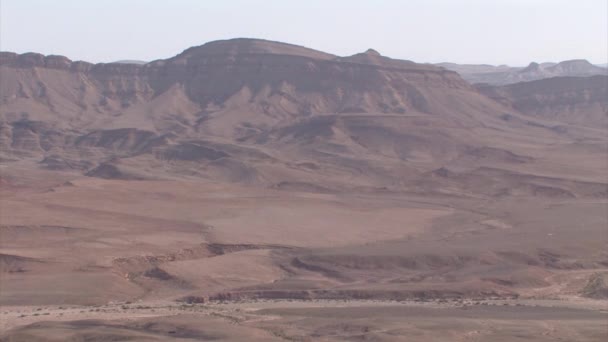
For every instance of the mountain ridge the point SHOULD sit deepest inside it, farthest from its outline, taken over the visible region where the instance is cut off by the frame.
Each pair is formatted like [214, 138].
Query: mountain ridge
[229, 47]
[503, 74]
[263, 113]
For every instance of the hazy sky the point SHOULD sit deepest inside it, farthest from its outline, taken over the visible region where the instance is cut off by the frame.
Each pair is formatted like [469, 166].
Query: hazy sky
[511, 32]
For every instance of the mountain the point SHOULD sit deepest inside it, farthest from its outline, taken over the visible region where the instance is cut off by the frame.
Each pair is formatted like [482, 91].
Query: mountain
[259, 112]
[258, 76]
[576, 100]
[499, 75]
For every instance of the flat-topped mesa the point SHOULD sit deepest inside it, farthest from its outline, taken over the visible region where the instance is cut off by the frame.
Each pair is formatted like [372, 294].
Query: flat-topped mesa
[577, 66]
[276, 55]
[251, 75]
[501, 75]
[215, 72]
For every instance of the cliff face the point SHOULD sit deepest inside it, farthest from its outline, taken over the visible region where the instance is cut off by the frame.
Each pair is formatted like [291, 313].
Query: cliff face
[251, 75]
[254, 111]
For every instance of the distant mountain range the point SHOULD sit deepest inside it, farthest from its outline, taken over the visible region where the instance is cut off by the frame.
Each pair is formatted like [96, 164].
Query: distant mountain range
[503, 74]
[279, 115]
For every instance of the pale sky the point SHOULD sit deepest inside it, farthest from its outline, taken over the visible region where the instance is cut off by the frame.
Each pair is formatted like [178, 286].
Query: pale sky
[513, 32]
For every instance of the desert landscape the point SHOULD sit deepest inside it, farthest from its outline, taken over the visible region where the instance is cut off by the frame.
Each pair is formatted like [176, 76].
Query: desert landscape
[252, 190]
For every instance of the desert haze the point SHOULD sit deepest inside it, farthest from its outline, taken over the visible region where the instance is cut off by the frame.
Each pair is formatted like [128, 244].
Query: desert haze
[253, 190]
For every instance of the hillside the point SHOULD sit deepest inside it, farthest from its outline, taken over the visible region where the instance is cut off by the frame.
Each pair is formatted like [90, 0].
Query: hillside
[577, 100]
[245, 170]
[251, 111]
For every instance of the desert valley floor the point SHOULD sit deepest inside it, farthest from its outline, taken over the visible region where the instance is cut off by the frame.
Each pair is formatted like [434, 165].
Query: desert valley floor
[156, 260]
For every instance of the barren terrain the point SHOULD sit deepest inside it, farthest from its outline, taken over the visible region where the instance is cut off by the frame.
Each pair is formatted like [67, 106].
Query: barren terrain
[252, 190]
